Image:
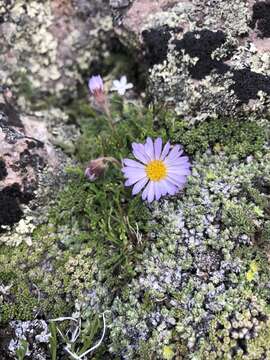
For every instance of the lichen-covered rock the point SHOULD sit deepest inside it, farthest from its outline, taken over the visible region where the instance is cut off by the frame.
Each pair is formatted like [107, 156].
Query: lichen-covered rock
[23, 156]
[119, 4]
[28, 165]
[48, 43]
[205, 58]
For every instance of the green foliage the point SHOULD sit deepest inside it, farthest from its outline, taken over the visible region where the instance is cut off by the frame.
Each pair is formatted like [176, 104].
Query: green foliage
[91, 330]
[132, 124]
[241, 216]
[100, 217]
[80, 111]
[53, 340]
[266, 233]
[24, 85]
[259, 198]
[22, 350]
[234, 137]
[102, 214]
[86, 337]
[91, 334]
[104, 217]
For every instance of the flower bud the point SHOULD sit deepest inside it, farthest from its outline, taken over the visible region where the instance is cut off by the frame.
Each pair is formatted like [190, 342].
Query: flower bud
[96, 88]
[96, 168]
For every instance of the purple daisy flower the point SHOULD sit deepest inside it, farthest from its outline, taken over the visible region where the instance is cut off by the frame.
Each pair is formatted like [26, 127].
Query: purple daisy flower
[160, 171]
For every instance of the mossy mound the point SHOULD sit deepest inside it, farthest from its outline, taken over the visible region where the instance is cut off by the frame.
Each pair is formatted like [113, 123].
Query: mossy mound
[233, 137]
[170, 275]
[205, 266]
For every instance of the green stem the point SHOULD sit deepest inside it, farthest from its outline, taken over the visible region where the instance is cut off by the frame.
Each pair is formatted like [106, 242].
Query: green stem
[113, 160]
[109, 115]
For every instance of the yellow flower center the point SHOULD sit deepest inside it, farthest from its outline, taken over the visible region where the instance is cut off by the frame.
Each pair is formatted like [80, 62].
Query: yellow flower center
[156, 170]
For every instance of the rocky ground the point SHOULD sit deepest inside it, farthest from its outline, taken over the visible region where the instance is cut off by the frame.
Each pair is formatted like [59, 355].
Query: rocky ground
[84, 263]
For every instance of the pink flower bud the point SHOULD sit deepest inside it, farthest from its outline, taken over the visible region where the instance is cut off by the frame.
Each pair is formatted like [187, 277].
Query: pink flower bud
[96, 87]
[96, 168]
[8, 93]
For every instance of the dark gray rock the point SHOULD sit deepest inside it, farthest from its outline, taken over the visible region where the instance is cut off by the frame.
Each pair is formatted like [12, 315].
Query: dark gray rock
[119, 4]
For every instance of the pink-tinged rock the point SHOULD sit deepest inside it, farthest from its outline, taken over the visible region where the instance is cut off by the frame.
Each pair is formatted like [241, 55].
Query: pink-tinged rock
[251, 3]
[140, 11]
[261, 45]
[25, 150]
[60, 35]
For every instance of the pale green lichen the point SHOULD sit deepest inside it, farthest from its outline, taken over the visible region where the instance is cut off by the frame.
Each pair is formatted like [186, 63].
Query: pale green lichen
[21, 233]
[171, 82]
[212, 94]
[32, 45]
[233, 18]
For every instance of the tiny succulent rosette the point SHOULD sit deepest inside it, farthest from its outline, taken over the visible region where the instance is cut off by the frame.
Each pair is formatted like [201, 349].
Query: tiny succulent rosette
[159, 171]
[96, 88]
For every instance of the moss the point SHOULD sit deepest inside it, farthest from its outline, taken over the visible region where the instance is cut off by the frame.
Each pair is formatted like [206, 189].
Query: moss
[242, 217]
[35, 282]
[258, 348]
[233, 137]
[28, 299]
[24, 86]
[24, 306]
[146, 352]
[266, 234]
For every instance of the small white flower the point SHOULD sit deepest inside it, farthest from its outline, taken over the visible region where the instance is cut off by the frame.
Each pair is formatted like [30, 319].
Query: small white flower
[121, 86]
